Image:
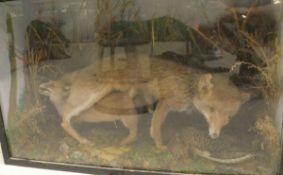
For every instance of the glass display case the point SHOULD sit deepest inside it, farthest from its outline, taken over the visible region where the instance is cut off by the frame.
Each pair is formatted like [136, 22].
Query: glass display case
[142, 86]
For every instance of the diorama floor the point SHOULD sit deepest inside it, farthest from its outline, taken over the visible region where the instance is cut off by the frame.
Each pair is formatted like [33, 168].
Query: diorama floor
[49, 142]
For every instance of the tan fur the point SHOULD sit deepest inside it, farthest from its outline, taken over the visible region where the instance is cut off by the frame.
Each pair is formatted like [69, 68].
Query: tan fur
[176, 87]
[222, 102]
[113, 107]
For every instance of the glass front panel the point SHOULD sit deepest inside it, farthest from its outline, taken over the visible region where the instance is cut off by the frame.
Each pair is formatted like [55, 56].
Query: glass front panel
[184, 86]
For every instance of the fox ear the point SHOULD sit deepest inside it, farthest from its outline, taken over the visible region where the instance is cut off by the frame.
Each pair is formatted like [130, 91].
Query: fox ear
[205, 83]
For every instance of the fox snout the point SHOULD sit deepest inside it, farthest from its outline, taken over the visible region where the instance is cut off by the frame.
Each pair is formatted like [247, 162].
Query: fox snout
[214, 133]
[215, 126]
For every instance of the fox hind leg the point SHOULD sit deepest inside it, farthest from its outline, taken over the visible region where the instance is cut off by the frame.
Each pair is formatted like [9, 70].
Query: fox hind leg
[66, 125]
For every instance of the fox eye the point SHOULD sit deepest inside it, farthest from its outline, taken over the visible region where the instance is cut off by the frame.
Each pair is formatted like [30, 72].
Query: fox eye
[211, 109]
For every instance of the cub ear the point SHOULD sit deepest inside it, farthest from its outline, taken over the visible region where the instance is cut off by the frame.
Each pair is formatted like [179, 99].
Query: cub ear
[205, 82]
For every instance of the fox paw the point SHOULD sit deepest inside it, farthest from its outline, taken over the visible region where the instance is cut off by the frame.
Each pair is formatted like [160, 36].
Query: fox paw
[162, 147]
[126, 141]
[86, 142]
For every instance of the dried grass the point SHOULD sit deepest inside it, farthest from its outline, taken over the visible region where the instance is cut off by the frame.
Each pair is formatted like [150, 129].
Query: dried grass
[34, 67]
[109, 11]
[31, 77]
[269, 136]
[25, 124]
[267, 66]
[264, 56]
[106, 14]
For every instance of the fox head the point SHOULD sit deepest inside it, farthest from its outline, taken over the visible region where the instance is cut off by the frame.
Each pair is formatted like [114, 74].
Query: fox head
[218, 100]
[57, 90]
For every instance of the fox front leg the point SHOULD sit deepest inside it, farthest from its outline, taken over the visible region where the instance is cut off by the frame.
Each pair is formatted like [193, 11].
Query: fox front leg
[66, 125]
[158, 118]
[77, 103]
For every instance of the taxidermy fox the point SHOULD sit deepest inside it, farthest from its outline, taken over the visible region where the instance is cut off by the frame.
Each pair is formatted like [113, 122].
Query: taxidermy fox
[174, 86]
[113, 107]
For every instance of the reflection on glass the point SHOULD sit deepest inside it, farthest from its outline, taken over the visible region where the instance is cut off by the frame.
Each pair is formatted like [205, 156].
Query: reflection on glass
[174, 86]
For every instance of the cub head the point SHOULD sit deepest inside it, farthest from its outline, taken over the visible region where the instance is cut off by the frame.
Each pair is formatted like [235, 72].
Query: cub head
[57, 90]
[218, 100]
